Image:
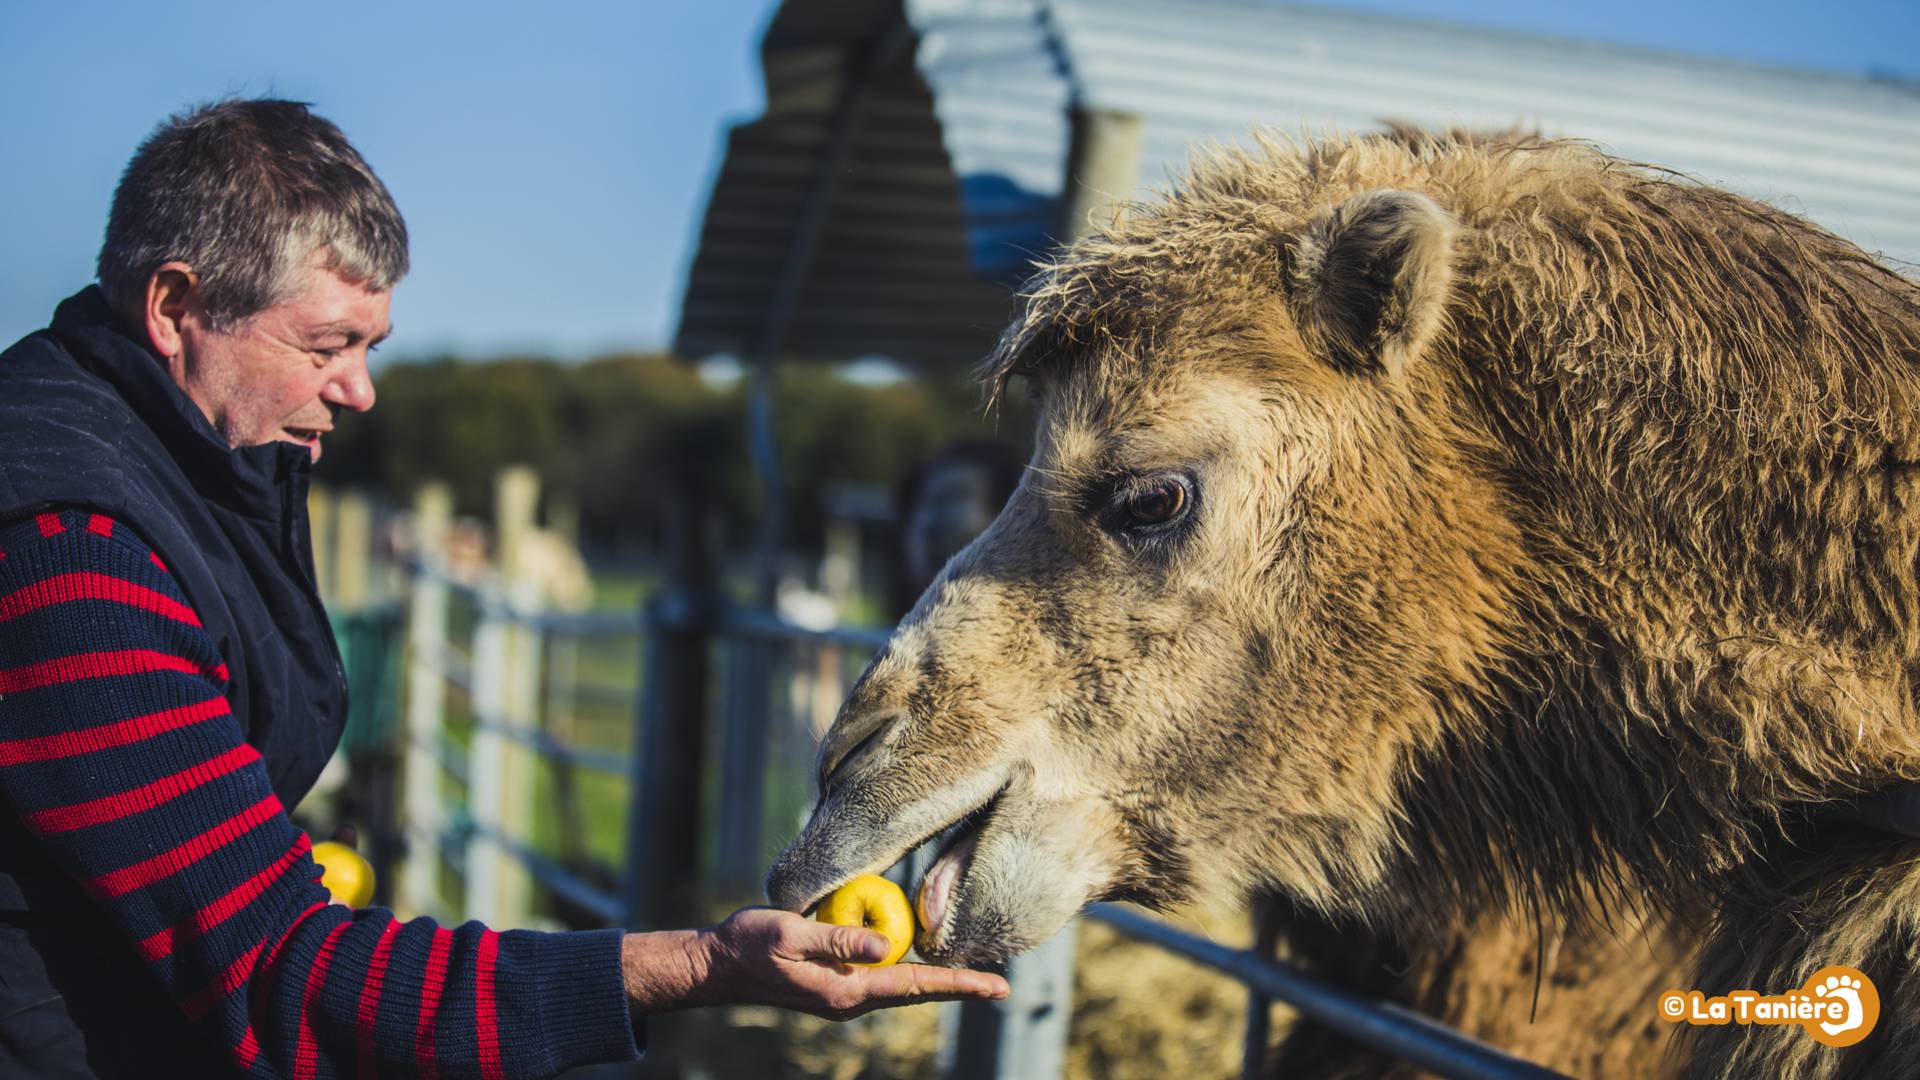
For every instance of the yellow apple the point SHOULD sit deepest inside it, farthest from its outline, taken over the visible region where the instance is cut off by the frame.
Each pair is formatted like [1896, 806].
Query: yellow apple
[877, 904]
[345, 873]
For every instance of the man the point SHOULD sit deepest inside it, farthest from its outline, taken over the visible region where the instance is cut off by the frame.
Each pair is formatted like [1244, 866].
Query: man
[169, 684]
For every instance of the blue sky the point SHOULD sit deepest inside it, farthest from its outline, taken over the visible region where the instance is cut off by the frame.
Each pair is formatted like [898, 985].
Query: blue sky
[552, 159]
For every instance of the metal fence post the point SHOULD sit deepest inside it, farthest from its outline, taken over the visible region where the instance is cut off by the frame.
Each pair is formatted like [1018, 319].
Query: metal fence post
[746, 727]
[426, 697]
[664, 814]
[1024, 1036]
[486, 861]
[1259, 1037]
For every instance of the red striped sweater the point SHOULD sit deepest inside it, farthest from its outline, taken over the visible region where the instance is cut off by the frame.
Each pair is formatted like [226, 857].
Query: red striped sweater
[119, 754]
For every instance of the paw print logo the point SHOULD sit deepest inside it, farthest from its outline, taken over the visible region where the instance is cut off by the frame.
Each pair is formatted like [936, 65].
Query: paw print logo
[1851, 1005]
[1846, 990]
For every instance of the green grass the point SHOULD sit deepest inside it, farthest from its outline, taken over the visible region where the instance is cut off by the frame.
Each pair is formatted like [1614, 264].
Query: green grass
[623, 590]
[579, 812]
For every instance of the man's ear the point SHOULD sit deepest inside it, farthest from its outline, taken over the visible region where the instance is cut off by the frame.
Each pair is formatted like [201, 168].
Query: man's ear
[169, 301]
[1368, 279]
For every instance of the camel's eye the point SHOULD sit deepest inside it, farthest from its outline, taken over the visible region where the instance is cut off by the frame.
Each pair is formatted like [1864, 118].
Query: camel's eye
[1158, 504]
[1150, 504]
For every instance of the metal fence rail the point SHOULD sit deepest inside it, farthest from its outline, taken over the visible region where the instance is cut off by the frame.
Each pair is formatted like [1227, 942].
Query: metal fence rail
[1384, 1026]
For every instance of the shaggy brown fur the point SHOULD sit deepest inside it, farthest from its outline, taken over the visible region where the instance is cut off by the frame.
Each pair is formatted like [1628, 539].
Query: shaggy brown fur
[1545, 581]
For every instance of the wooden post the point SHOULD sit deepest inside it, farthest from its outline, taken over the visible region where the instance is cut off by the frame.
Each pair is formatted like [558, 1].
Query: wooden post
[505, 688]
[562, 677]
[418, 892]
[320, 530]
[519, 502]
[840, 580]
[840, 563]
[563, 650]
[352, 535]
[1103, 168]
[340, 548]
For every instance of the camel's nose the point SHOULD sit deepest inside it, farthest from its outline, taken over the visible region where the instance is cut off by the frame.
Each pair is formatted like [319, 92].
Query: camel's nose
[814, 863]
[796, 884]
[829, 850]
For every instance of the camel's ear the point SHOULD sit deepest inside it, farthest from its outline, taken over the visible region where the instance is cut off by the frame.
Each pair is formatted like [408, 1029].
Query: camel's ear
[1367, 280]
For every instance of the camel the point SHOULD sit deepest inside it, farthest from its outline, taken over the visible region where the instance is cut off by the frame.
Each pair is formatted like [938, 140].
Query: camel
[1502, 553]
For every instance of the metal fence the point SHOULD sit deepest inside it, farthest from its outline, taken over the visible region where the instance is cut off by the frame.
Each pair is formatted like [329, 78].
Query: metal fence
[509, 708]
[493, 684]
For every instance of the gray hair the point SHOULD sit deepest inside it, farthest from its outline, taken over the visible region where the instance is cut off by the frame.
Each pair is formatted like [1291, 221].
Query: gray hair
[245, 192]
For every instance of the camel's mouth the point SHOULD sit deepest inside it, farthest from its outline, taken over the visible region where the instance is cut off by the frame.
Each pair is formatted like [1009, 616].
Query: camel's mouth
[804, 875]
[1002, 871]
[942, 888]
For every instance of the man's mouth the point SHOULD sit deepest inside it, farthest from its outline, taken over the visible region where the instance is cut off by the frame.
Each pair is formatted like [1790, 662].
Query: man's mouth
[307, 437]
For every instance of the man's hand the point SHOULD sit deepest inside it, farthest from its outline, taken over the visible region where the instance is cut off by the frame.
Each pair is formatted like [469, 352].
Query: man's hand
[762, 956]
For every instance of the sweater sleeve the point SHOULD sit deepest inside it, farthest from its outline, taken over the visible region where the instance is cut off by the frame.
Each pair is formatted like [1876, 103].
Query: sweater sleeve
[119, 752]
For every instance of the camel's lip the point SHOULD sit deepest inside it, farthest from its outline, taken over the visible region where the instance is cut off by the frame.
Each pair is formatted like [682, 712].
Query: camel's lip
[937, 896]
[941, 836]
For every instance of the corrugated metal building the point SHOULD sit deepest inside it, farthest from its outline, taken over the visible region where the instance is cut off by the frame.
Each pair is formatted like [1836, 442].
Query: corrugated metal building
[914, 154]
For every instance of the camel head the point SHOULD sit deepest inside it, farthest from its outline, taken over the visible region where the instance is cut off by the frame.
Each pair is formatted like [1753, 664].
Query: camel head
[1390, 525]
[1192, 651]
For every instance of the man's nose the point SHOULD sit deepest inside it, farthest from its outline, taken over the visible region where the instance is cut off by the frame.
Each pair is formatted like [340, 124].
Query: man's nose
[352, 388]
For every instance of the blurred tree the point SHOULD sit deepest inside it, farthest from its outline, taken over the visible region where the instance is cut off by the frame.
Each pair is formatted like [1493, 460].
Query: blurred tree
[616, 434]
[456, 422]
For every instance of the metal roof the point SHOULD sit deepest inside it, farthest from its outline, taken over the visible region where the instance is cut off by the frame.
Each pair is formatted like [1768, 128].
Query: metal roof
[955, 170]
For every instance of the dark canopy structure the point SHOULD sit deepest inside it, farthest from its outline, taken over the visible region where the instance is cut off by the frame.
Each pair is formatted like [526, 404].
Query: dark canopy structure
[915, 155]
[836, 228]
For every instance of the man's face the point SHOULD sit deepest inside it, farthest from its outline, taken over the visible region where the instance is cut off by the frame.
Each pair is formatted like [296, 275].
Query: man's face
[285, 374]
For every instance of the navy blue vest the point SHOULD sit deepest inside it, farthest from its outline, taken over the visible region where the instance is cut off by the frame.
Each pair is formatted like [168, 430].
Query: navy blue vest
[90, 418]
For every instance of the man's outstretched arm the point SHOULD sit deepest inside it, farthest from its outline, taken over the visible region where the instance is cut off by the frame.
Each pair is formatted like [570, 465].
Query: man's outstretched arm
[120, 755]
[764, 956]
